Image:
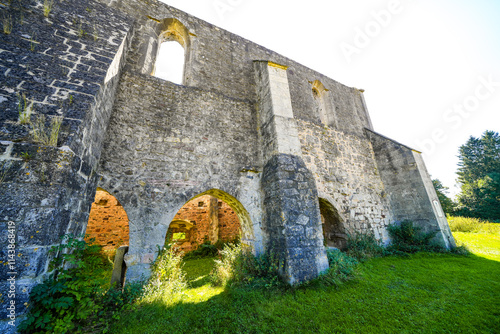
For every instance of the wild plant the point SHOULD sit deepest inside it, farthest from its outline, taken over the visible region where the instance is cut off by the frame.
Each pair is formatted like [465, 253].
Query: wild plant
[47, 7]
[7, 24]
[25, 109]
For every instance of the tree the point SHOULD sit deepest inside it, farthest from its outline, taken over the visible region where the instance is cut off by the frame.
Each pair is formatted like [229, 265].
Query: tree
[446, 203]
[479, 175]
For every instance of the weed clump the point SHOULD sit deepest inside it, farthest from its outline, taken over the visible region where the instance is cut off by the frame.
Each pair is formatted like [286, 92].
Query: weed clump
[167, 276]
[362, 246]
[43, 135]
[342, 268]
[238, 266]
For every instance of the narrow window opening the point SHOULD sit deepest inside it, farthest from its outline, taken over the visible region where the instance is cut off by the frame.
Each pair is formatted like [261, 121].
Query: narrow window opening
[170, 62]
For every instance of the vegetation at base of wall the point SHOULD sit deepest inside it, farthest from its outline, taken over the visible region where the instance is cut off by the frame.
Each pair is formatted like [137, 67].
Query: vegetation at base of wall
[362, 246]
[77, 295]
[420, 293]
[473, 225]
[238, 266]
[408, 238]
[167, 277]
[342, 268]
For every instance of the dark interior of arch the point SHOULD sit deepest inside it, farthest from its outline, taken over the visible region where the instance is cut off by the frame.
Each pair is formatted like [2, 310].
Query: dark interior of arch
[333, 229]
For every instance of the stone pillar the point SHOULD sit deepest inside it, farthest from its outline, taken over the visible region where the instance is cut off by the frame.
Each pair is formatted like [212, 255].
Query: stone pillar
[292, 218]
[213, 212]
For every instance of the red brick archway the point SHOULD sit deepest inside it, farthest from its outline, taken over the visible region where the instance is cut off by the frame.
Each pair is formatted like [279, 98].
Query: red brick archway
[108, 222]
[203, 218]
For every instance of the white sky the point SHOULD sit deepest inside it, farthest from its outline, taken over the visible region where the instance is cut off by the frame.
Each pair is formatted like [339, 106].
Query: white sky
[423, 68]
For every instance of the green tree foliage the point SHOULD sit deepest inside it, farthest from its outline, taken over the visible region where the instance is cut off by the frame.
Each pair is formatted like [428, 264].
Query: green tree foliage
[479, 175]
[446, 203]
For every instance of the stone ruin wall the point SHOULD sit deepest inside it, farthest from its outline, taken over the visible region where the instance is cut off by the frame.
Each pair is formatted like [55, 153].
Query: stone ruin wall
[249, 126]
[47, 191]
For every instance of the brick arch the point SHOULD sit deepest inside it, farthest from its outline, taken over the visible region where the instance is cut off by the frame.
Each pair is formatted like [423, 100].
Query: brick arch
[334, 231]
[247, 232]
[108, 222]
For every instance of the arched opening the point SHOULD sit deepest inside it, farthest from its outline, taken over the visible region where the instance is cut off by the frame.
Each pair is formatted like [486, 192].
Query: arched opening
[170, 62]
[213, 216]
[108, 227]
[203, 219]
[172, 51]
[108, 222]
[333, 227]
[322, 102]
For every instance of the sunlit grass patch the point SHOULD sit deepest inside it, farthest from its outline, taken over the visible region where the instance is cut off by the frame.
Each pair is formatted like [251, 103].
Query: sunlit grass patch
[482, 244]
[473, 225]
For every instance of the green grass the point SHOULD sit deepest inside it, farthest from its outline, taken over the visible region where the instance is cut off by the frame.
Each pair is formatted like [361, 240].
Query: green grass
[474, 225]
[423, 293]
[481, 244]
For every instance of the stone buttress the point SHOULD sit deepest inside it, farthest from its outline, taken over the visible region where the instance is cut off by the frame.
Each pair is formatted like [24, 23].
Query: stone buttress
[292, 217]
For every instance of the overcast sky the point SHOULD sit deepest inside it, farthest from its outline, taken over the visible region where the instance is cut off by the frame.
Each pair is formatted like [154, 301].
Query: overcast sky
[431, 69]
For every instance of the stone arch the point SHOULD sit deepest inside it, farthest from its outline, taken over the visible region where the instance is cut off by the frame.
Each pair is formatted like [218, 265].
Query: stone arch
[247, 232]
[108, 222]
[334, 230]
[173, 31]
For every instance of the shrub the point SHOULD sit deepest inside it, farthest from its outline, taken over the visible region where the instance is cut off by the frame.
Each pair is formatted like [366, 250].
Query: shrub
[167, 276]
[237, 265]
[408, 238]
[342, 268]
[76, 295]
[68, 298]
[206, 249]
[362, 246]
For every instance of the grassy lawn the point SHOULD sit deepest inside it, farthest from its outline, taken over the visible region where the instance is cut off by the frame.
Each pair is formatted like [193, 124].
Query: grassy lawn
[424, 293]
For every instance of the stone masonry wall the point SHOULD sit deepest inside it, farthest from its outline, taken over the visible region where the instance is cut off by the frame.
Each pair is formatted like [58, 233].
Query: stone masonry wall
[409, 188]
[229, 224]
[222, 61]
[347, 177]
[47, 191]
[108, 222]
[167, 144]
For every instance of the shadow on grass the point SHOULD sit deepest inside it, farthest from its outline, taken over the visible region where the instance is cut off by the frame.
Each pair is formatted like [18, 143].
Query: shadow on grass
[423, 293]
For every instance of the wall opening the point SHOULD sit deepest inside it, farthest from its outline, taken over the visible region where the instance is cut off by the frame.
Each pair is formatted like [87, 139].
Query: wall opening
[203, 219]
[108, 222]
[172, 52]
[170, 62]
[334, 232]
[322, 103]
